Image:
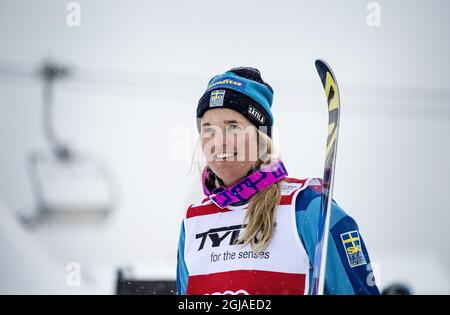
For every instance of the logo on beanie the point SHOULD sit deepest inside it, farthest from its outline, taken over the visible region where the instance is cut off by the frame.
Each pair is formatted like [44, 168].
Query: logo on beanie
[216, 98]
[256, 114]
[228, 82]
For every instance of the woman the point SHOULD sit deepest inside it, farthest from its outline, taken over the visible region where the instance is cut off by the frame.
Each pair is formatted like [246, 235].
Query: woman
[256, 230]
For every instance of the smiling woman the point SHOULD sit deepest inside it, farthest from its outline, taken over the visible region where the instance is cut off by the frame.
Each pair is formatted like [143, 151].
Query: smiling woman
[251, 206]
[228, 144]
[233, 147]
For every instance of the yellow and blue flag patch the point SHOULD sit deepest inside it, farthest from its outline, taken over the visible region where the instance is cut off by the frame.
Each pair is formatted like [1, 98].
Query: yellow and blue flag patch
[216, 98]
[353, 248]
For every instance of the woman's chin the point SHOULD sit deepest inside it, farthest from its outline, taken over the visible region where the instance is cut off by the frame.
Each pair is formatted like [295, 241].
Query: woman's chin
[230, 171]
[226, 168]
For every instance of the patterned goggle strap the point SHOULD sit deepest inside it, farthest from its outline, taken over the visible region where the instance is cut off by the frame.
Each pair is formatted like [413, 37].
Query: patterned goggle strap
[243, 190]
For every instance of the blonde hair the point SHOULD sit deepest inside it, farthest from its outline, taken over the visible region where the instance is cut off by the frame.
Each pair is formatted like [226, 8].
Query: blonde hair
[260, 214]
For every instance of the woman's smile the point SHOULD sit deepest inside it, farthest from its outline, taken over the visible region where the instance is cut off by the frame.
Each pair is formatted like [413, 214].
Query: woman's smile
[224, 157]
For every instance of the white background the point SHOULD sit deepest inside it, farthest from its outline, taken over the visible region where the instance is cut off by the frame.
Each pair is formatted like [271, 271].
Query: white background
[156, 58]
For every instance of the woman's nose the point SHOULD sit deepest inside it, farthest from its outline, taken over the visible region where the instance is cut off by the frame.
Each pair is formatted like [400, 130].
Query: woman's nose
[223, 142]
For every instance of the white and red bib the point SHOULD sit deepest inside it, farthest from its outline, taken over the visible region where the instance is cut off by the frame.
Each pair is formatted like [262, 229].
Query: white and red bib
[218, 266]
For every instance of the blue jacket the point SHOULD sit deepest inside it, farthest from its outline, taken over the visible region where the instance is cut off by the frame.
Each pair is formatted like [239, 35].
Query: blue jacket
[348, 265]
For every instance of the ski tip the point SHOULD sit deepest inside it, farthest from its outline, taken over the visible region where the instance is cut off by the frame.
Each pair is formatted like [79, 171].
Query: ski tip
[322, 68]
[319, 61]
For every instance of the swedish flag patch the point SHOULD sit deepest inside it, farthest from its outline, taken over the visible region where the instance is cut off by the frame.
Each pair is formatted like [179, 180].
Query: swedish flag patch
[353, 249]
[216, 98]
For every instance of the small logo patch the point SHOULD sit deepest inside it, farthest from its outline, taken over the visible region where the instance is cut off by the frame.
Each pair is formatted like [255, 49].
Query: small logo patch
[216, 98]
[228, 82]
[289, 188]
[353, 249]
[256, 114]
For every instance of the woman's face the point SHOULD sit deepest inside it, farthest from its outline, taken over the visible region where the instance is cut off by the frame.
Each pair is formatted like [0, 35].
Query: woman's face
[229, 143]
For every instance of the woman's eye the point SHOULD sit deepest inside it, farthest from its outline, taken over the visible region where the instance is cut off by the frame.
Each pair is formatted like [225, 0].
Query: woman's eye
[208, 131]
[234, 127]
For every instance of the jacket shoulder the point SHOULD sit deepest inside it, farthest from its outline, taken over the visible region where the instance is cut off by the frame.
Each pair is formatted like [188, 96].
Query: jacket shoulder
[311, 190]
[290, 186]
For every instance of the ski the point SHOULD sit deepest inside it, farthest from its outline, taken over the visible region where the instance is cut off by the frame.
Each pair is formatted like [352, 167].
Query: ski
[332, 94]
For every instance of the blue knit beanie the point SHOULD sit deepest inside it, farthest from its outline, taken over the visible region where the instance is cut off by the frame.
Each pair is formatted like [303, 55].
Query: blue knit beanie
[241, 89]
